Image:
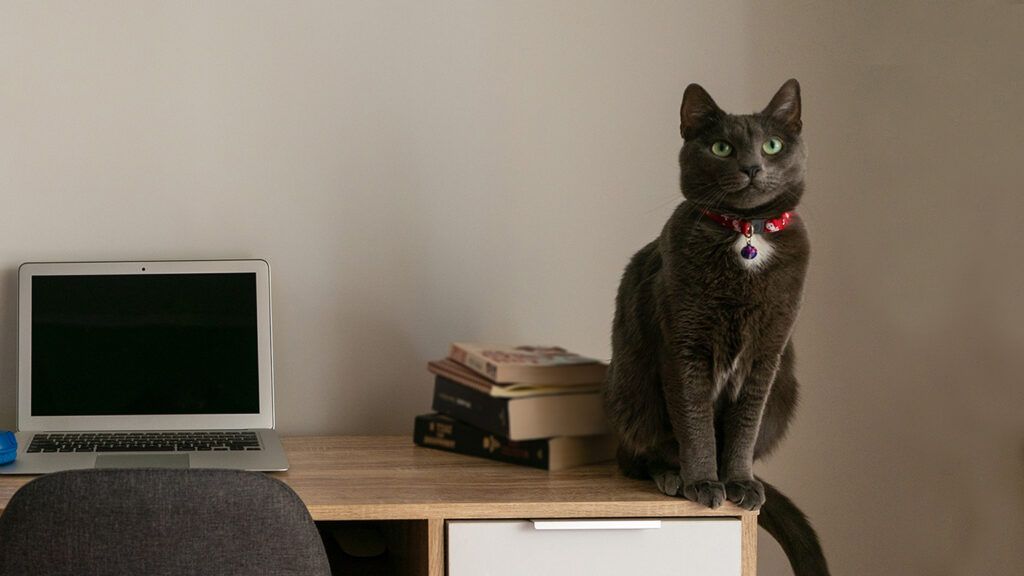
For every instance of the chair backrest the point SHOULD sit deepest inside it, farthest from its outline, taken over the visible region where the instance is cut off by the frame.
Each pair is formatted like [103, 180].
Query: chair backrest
[158, 521]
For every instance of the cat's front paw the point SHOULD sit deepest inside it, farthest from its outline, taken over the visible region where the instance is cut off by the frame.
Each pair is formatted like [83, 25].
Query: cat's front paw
[710, 493]
[747, 494]
[668, 482]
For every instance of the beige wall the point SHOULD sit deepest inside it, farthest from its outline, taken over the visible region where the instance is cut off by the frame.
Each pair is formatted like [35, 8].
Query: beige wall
[420, 172]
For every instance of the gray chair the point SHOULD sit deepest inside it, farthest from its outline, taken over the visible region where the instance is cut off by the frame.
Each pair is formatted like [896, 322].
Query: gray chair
[156, 522]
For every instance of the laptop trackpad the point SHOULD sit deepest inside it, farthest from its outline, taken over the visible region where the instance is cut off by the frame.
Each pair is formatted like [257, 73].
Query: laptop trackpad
[142, 461]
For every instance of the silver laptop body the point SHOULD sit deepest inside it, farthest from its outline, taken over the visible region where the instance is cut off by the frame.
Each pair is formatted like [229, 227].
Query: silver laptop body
[145, 364]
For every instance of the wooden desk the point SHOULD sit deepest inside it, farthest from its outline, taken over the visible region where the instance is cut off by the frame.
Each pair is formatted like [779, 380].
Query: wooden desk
[413, 490]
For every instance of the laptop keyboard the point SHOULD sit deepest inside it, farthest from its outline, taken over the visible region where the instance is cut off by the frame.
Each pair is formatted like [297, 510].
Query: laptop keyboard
[145, 442]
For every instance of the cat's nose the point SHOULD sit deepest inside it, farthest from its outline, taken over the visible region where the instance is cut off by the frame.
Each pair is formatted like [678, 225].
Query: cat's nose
[751, 170]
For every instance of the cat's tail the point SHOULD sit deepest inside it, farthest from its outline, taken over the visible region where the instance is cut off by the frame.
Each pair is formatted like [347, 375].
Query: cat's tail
[791, 529]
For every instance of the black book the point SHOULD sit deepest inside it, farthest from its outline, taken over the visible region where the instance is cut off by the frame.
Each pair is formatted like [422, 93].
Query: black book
[446, 433]
[523, 418]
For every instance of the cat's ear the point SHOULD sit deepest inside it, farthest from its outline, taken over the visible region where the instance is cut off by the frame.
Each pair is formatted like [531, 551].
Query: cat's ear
[785, 106]
[698, 110]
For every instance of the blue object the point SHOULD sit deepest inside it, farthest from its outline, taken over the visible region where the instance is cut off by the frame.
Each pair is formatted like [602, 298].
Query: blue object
[749, 252]
[8, 447]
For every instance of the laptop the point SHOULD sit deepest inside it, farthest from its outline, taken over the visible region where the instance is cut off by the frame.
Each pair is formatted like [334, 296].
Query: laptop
[145, 364]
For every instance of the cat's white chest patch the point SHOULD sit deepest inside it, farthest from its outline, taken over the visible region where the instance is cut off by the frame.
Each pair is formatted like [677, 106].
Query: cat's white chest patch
[759, 242]
[725, 375]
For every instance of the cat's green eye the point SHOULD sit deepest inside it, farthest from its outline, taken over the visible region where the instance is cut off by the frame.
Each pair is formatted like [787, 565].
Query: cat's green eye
[772, 145]
[721, 149]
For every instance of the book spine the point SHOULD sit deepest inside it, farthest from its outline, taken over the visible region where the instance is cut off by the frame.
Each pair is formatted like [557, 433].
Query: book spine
[462, 438]
[469, 405]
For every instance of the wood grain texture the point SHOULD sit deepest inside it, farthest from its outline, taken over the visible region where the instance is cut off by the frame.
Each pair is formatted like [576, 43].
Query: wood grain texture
[436, 547]
[390, 478]
[748, 543]
[343, 478]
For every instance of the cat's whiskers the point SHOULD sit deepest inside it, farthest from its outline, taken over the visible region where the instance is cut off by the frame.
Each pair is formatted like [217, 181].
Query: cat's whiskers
[660, 205]
[713, 206]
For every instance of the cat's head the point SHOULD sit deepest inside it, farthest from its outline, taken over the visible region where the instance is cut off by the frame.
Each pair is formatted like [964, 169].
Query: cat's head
[742, 164]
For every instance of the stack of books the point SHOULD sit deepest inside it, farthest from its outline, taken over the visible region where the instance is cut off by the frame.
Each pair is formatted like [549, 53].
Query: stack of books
[530, 405]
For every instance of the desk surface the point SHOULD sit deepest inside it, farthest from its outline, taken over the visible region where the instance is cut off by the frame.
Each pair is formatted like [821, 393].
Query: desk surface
[389, 478]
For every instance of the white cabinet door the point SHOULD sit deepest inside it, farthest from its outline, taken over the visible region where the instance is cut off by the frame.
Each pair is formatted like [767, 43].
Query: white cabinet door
[675, 546]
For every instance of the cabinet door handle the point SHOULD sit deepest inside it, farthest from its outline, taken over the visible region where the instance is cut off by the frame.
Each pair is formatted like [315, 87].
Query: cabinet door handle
[596, 524]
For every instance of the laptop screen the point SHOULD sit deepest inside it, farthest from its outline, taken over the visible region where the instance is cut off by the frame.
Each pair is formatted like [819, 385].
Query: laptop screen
[111, 344]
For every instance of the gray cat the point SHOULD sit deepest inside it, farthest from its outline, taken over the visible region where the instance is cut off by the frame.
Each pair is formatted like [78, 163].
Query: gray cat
[701, 380]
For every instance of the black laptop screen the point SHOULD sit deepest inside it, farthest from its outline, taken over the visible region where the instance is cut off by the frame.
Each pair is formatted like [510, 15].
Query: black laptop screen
[108, 345]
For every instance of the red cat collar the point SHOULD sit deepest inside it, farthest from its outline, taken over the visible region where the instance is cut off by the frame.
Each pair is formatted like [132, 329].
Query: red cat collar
[751, 227]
